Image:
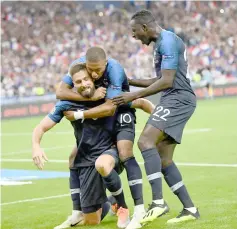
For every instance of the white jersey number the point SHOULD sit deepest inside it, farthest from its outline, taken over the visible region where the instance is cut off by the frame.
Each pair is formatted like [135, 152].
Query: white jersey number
[125, 119]
[157, 116]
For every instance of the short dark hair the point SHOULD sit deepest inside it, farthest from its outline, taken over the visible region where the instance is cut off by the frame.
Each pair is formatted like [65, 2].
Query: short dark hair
[95, 54]
[77, 68]
[143, 17]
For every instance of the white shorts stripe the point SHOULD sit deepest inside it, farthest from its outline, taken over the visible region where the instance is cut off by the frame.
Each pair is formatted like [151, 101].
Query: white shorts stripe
[177, 186]
[75, 190]
[135, 182]
[154, 176]
[117, 192]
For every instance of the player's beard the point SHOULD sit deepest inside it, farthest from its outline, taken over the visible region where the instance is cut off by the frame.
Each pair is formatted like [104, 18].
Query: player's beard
[88, 92]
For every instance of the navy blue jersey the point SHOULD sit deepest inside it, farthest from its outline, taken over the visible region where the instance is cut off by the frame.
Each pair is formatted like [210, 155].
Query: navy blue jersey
[170, 53]
[114, 78]
[93, 137]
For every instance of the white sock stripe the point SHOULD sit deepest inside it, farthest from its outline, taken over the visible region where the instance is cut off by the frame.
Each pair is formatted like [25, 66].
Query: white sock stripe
[75, 190]
[154, 176]
[117, 192]
[135, 182]
[177, 186]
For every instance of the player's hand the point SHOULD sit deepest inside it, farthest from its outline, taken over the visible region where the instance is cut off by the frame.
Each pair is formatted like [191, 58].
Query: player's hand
[99, 94]
[124, 98]
[69, 115]
[39, 158]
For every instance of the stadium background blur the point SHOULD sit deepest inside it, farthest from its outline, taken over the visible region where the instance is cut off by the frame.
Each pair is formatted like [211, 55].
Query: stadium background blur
[40, 40]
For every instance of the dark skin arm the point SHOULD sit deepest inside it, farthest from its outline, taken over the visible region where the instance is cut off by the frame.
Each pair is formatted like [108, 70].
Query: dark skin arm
[104, 110]
[65, 92]
[165, 82]
[108, 108]
[141, 83]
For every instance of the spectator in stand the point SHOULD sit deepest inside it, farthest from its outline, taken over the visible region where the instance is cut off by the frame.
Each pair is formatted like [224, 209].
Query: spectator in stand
[40, 39]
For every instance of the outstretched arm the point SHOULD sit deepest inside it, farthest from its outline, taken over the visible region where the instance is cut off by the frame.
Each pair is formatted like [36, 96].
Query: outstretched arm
[38, 154]
[141, 83]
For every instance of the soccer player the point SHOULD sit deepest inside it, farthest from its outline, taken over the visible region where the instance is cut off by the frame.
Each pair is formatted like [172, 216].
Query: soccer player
[108, 73]
[92, 139]
[164, 128]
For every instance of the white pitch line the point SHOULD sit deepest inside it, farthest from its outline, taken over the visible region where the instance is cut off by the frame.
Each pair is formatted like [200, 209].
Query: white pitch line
[192, 131]
[34, 199]
[29, 150]
[71, 131]
[30, 160]
[200, 164]
[30, 133]
[141, 163]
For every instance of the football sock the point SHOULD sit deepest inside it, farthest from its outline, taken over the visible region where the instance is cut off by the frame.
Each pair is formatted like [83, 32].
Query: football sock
[174, 180]
[74, 184]
[134, 176]
[153, 171]
[114, 185]
[105, 209]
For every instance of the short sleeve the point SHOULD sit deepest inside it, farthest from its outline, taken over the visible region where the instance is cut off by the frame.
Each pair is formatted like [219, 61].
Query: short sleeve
[116, 78]
[170, 52]
[56, 114]
[67, 79]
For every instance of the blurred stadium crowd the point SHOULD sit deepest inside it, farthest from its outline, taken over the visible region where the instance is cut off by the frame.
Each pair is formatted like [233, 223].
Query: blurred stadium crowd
[41, 39]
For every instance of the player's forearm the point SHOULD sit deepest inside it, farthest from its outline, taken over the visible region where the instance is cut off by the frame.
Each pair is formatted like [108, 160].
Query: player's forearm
[45, 125]
[159, 85]
[142, 83]
[104, 110]
[68, 94]
[37, 135]
[144, 105]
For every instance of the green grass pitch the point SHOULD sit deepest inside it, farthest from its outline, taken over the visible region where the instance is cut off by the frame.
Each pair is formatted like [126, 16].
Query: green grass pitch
[210, 137]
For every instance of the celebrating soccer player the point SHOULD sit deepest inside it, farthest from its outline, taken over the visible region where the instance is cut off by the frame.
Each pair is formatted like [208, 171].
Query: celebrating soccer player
[164, 128]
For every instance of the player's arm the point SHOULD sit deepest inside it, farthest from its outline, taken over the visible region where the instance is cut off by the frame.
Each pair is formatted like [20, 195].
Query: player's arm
[116, 78]
[144, 105]
[65, 92]
[169, 64]
[45, 125]
[38, 154]
[104, 110]
[141, 83]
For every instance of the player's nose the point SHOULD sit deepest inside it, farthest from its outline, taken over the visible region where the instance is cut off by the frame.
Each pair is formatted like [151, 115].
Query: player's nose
[94, 75]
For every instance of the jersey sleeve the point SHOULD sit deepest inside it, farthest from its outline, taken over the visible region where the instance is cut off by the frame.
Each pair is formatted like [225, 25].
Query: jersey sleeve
[56, 114]
[116, 78]
[67, 79]
[170, 53]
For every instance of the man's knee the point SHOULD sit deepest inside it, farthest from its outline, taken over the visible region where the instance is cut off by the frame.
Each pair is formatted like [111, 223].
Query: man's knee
[165, 162]
[104, 164]
[125, 149]
[166, 151]
[144, 143]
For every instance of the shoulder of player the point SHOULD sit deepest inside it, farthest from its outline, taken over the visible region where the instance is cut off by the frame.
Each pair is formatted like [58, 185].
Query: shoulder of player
[113, 63]
[66, 104]
[168, 36]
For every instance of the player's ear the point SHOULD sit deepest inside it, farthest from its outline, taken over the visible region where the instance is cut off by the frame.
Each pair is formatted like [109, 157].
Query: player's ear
[144, 27]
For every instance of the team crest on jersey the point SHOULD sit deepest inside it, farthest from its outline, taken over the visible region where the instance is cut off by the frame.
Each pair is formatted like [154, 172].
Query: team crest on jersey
[166, 57]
